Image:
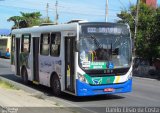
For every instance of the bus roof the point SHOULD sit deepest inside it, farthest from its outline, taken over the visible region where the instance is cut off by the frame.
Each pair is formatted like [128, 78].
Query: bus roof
[60, 27]
[48, 28]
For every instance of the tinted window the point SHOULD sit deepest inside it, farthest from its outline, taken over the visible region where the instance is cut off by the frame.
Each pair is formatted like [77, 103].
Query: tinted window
[26, 39]
[55, 44]
[45, 41]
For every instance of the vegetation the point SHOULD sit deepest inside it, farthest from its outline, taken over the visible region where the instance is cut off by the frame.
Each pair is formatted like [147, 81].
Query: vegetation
[28, 20]
[6, 85]
[147, 41]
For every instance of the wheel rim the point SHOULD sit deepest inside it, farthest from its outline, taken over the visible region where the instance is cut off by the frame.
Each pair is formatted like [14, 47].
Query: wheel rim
[56, 85]
[24, 76]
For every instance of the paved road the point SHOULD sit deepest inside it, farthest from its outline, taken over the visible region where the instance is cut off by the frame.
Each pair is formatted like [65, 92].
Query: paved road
[146, 92]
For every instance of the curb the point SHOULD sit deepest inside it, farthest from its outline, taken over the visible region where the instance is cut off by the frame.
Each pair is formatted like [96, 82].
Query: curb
[21, 86]
[34, 92]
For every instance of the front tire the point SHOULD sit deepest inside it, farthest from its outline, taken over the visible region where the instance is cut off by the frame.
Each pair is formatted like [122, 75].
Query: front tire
[24, 76]
[55, 85]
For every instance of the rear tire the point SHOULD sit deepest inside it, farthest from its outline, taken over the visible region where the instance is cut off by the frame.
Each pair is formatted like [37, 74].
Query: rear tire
[55, 85]
[24, 76]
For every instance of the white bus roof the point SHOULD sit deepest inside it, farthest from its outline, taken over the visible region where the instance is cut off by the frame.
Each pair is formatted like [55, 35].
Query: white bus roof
[46, 29]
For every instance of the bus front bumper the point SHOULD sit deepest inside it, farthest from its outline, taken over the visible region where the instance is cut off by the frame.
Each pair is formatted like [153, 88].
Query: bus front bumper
[84, 89]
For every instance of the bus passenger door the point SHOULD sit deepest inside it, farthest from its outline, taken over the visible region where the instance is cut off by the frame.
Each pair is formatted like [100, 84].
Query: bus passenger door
[17, 57]
[36, 60]
[69, 64]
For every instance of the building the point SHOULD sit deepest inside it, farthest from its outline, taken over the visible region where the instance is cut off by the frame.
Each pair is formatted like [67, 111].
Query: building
[152, 3]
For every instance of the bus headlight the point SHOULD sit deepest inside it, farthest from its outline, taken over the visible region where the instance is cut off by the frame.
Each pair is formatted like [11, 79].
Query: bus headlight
[82, 78]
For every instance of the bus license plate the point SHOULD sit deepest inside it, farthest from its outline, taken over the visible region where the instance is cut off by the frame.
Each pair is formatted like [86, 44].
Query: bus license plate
[108, 90]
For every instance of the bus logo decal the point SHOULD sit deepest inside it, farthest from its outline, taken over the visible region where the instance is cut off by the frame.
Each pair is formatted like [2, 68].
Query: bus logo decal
[97, 81]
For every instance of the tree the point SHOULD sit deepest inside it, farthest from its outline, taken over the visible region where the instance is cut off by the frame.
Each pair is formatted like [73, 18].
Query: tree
[148, 35]
[155, 41]
[31, 19]
[16, 20]
[27, 20]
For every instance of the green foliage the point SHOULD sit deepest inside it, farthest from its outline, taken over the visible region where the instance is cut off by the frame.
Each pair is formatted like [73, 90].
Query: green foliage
[27, 20]
[148, 34]
[16, 20]
[31, 19]
[6, 85]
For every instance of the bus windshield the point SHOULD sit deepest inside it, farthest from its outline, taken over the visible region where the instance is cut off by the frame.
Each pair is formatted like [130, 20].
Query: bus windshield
[104, 52]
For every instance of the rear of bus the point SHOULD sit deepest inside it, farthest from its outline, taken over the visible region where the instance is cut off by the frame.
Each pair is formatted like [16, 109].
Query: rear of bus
[104, 59]
[5, 43]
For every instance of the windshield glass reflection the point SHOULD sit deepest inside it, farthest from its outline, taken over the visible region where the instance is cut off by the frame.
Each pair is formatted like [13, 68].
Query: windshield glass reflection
[104, 52]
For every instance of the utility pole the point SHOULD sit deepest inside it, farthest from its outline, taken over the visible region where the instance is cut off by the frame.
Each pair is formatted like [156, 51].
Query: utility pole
[106, 12]
[136, 26]
[56, 16]
[47, 12]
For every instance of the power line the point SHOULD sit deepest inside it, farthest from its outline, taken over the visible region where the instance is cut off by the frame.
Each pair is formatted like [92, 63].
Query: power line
[122, 4]
[53, 10]
[62, 6]
[21, 7]
[74, 11]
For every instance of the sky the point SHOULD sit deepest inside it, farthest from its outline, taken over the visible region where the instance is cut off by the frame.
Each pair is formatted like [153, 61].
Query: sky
[90, 10]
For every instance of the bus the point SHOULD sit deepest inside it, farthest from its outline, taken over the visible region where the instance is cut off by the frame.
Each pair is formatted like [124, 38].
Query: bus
[5, 45]
[80, 58]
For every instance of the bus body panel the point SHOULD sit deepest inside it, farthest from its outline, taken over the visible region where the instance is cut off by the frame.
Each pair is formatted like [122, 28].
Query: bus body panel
[47, 67]
[84, 89]
[97, 85]
[55, 64]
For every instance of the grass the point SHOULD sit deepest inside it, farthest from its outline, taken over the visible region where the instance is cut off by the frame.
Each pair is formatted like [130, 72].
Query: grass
[6, 85]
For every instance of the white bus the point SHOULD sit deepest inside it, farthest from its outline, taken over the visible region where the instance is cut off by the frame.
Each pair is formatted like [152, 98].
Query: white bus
[5, 45]
[82, 59]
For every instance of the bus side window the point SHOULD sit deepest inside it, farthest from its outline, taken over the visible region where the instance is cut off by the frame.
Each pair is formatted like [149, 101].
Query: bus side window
[55, 44]
[26, 40]
[45, 41]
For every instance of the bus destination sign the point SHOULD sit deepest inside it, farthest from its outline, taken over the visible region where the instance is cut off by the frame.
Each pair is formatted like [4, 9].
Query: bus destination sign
[108, 30]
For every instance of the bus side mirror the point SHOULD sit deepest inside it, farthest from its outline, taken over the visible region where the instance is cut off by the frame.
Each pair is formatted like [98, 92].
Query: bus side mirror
[77, 47]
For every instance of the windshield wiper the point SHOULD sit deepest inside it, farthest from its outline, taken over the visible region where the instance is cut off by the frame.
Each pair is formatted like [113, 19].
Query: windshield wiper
[96, 42]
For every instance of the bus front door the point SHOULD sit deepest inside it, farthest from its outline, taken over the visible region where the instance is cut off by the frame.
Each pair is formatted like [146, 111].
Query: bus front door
[17, 57]
[36, 60]
[69, 64]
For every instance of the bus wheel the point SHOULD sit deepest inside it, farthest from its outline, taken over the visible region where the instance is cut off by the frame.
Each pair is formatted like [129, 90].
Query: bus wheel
[55, 85]
[24, 76]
